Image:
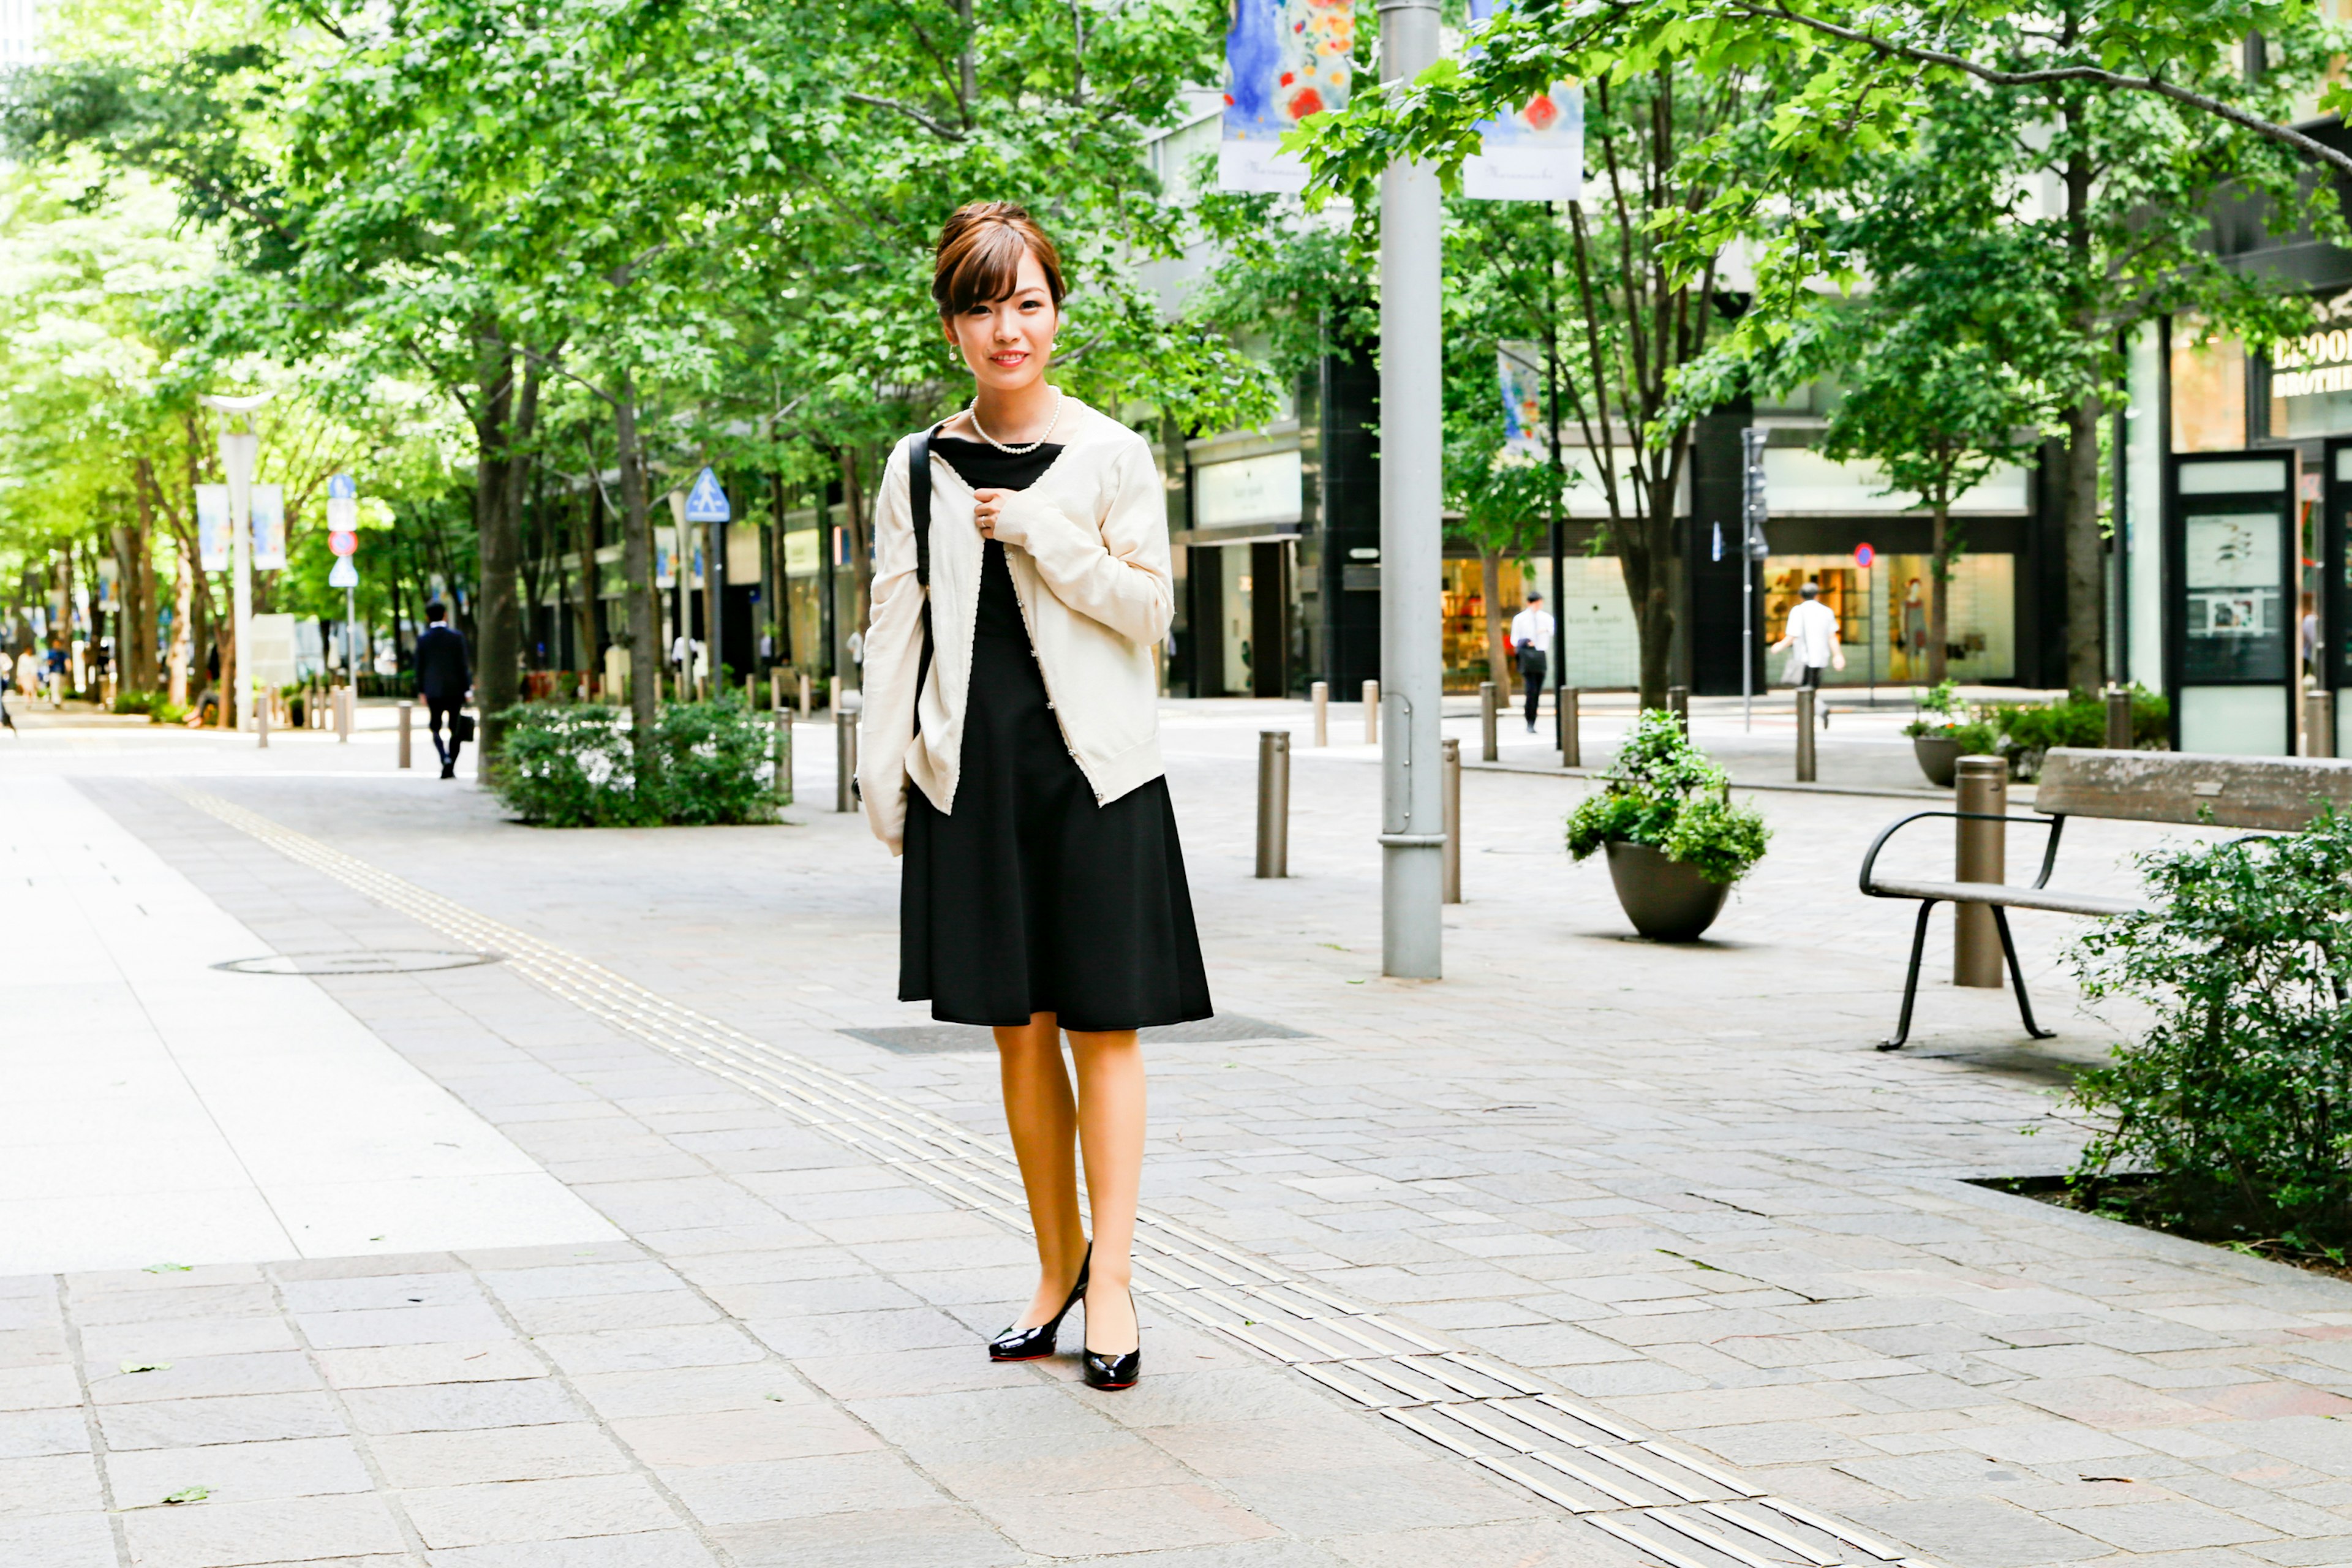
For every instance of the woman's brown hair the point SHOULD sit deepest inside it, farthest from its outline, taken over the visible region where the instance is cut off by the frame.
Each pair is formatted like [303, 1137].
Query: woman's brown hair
[979, 252]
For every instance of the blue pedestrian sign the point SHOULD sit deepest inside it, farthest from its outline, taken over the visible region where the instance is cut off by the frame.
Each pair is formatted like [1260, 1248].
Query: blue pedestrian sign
[340, 487]
[705, 502]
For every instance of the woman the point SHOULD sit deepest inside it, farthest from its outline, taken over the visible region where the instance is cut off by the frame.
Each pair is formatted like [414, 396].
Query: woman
[1011, 752]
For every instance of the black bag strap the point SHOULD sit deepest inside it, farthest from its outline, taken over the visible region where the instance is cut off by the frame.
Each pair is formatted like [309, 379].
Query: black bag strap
[918, 496]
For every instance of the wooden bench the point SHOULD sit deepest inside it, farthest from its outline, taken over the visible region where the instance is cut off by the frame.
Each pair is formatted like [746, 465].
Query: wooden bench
[2264, 794]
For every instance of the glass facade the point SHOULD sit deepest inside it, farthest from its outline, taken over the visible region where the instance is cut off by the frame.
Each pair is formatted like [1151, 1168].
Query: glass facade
[2208, 389]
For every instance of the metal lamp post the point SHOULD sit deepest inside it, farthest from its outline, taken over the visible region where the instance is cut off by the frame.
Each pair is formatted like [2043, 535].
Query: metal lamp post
[1412, 826]
[238, 449]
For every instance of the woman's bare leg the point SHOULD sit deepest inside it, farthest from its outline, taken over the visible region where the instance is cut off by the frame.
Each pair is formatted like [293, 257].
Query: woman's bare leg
[1110, 1137]
[1044, 1124]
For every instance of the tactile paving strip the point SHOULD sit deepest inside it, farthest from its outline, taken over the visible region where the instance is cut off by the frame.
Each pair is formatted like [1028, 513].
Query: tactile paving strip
[1673, 1507]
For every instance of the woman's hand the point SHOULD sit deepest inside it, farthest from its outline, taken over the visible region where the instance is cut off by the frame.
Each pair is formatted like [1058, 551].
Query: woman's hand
[989, 512]
[985, 504]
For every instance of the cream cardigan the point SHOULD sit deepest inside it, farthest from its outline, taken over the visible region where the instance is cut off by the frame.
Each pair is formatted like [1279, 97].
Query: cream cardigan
[1088, 548]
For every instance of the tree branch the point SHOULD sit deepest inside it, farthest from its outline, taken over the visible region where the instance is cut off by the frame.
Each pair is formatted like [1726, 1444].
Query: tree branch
[2094, 76]
[944, 132]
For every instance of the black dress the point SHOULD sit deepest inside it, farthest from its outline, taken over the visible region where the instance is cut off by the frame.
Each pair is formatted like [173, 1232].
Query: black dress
[1031, 897]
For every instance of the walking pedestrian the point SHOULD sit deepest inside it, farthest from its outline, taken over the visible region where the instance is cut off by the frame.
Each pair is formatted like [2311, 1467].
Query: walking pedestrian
[1531, 631]
[1010, 752]
[444, 675]
[1813, 633]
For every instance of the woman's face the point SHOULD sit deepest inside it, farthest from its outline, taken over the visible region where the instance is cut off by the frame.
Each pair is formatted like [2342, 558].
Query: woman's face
[1007, 341]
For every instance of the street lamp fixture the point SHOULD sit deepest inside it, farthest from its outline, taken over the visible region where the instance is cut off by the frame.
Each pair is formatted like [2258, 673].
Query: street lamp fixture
[238, 449]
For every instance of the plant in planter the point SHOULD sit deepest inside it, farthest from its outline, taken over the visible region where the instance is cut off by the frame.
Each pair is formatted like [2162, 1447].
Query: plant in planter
[1674, 841]
[2231, 1113]
[1944, 733]
[2028, 730]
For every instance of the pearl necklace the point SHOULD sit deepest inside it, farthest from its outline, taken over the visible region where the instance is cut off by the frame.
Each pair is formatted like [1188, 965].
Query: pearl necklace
[1018, 451]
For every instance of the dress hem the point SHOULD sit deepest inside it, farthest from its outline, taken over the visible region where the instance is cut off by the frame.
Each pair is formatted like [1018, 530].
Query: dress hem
[939, 1017]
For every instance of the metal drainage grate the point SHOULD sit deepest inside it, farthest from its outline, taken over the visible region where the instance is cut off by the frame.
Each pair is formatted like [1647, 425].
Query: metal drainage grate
[918, 1039]
[397, 961]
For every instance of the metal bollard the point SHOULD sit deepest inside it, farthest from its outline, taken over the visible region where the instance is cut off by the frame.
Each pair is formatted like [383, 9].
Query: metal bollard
[261, 719]
[1488, 749]
[784, 781]
[1273, 803]
[1805, 768]
[1372, 712]
[776, 689]
[1321, 691]
[350, 714]
[1678, 704]
[845, 759]
[805, 709]
[1572, 736]
[750, 696]
[1451, 755]
[407, 729]
[1980, 852]
[2319, 723]
[2119, 723]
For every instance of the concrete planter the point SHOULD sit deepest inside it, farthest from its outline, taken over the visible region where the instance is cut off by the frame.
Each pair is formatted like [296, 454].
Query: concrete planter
[1666, 899]
[1939, 758]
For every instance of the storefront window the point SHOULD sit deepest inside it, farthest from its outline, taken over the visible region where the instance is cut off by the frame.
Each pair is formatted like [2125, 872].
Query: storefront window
[1883, 615]
[2208, 389]
[1466, 618]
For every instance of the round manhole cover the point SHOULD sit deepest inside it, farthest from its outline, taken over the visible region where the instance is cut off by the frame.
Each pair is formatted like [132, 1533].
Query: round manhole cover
[399, 961]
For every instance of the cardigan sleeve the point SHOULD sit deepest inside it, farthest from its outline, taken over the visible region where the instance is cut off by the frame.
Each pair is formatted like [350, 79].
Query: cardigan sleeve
[1116, 570]
[893, 649]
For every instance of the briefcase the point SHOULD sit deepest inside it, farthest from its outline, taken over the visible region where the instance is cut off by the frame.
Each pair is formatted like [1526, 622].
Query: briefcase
[461, 728]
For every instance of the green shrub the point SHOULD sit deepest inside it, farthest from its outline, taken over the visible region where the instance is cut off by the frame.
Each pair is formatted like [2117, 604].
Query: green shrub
[1943, 714]
[1665, 792]
[2238, 1097]
[2029, 728]
[137, 701]
[168, 712]
[574, 764]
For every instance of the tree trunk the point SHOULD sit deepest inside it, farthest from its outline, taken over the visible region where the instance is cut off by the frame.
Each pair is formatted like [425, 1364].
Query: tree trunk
[585, 540]
[1498, 642]
[184, 611]
[2086, 580]
[1939, 571]
[501, 426]
[1647, 561]
[637, 549]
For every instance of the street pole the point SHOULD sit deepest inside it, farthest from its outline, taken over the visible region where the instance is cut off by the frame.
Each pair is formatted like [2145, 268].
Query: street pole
[238, 449]
[1559, 484]
[1751, 550]
[1412, 835]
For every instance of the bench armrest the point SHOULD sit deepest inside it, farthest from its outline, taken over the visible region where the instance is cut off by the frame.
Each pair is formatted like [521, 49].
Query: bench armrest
[2057, 825]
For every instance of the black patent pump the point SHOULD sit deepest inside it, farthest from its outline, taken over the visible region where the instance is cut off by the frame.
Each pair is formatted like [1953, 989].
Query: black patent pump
[1035, 1344]
[1113, 1372]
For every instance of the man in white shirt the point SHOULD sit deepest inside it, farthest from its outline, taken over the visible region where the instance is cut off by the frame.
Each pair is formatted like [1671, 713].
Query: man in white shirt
[1813, 633]
[1531, 631]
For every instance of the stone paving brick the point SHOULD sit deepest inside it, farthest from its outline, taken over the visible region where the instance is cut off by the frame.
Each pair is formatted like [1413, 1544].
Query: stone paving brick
[296, 1530]
[538, 1510]
[239, 1472]
[645, 1549]
[55, 1483]
[456, 1408]
[496, 1453]
[459, 1361]
[767, 1431]
[754, 1493]
[1145, 1518]
[239, 1418]
[59, 1540]
[943, 1537]
[38, 1388]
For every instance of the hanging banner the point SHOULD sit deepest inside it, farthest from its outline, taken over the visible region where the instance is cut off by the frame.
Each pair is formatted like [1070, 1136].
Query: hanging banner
[1535, 156]
[1519, 377]
[269, 528]
[110, 576]
[212, 528]
[1284, 59]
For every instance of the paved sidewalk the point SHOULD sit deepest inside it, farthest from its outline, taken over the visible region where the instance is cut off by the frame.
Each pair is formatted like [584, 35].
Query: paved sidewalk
[1673, 1187]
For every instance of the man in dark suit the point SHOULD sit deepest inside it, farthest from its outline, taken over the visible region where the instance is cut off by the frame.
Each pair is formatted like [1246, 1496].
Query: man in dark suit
[443, 678]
